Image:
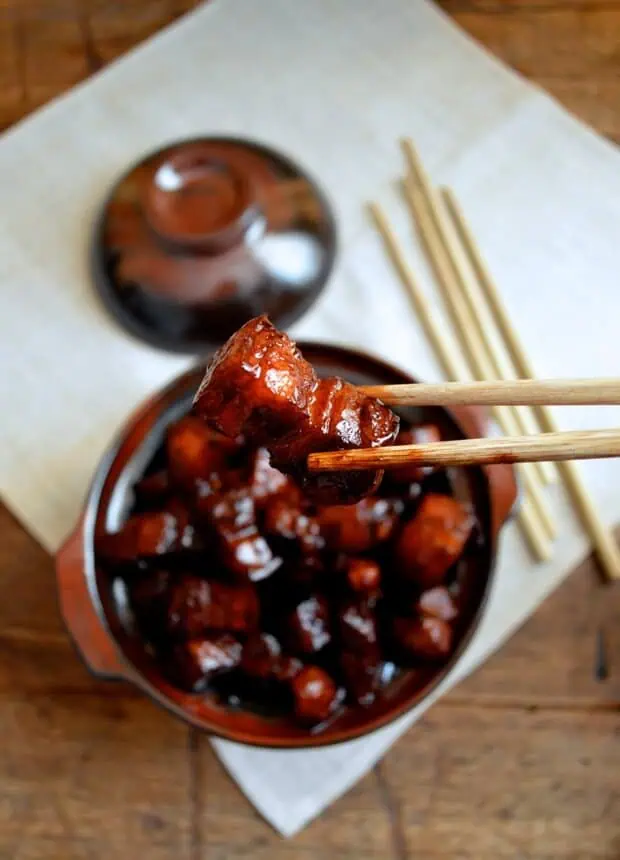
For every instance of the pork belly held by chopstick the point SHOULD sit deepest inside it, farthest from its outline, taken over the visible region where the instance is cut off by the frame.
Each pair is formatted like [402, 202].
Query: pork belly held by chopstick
[259, 386]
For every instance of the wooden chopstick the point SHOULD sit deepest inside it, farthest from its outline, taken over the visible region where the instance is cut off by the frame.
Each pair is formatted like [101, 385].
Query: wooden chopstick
[603, 541]
[491, 294]
[527, 517]
[461, 280]
[450, 265]
[567, 445]
[444, 349]
[525, 392]
[507, 417]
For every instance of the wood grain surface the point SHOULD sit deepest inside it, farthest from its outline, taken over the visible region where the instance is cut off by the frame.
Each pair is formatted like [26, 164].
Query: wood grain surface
[521, 761]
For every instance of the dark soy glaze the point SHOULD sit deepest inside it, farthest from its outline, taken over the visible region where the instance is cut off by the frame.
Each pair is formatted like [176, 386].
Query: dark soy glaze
[241, 588]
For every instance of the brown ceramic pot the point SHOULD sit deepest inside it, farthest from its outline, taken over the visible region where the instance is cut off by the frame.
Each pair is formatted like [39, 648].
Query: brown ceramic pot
[96, 617]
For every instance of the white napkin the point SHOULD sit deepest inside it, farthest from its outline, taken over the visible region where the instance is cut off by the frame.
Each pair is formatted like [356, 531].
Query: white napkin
[335, 85]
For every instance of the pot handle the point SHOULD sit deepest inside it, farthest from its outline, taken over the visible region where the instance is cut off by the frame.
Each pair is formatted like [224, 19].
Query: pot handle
[502, 478]
[92, 640]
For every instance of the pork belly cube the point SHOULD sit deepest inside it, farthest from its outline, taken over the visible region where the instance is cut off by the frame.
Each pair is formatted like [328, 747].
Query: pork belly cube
[363, 576]
[188, 538]
[339, 416]
[316, 695]
[360, 527]
[425, 638]
[144, 536]
[433, 540]
[281, 518]
[285, 519]
[362, 676]
[360, 659]
[351, 419]
[148, 596]
[358, 627]
[195, 451]
[263, 659]
[243, 548]
[438, 603]
[257, 385]
[309, 628]
[337, 488]
[266, 482]
[197, 605]
[195, 662]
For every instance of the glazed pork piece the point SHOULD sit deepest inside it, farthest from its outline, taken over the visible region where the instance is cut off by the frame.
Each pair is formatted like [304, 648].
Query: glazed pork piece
[197, 605]
[231, 515]
[363, 576]
[316, 695]
[195, 452]
[425, 638]
[309, 626]
[361, 659]
[149, 535]
[263, 659]
[284, 518]
[194, 663]
[360, 527]
[259, 386]
[266, 482]
[434, 540]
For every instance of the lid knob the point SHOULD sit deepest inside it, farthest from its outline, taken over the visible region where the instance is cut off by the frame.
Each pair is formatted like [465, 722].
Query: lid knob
[198, 200]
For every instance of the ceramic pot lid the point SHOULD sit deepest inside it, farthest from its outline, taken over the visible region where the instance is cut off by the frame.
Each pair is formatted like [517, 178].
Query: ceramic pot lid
[205, 234]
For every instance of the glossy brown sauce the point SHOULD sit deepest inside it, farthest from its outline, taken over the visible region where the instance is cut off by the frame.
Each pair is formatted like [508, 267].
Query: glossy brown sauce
[244, 589]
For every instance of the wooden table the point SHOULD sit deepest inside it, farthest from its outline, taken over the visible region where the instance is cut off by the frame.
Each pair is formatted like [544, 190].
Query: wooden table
[521, 761]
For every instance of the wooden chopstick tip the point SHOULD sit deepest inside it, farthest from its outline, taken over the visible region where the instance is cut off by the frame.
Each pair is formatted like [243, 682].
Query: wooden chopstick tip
[406, 146]
[410, 153]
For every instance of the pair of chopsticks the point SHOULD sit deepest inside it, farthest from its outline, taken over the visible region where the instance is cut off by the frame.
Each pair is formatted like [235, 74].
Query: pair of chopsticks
[534, 516]
[471, 295]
